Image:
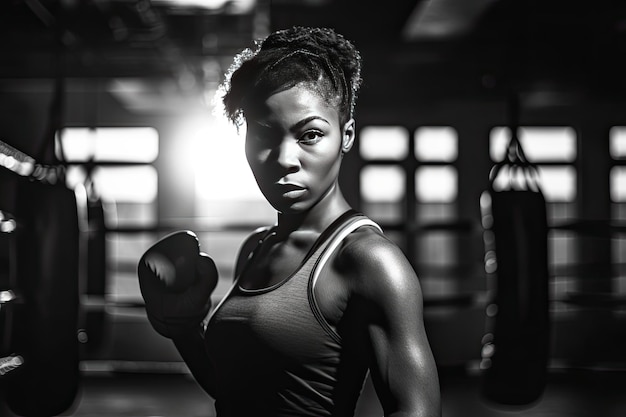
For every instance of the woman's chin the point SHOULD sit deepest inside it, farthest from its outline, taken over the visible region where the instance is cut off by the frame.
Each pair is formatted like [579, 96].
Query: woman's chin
[291, 207]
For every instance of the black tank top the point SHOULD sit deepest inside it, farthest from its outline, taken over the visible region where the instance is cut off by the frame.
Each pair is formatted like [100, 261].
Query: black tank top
[274, 353]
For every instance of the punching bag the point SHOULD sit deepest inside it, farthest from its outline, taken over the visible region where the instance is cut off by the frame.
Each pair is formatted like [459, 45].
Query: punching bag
[516, 344]
[8, 285]
[47, 270]
[45, 324]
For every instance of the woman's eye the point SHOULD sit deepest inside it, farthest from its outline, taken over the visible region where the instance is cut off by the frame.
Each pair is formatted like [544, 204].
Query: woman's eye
[310, 137]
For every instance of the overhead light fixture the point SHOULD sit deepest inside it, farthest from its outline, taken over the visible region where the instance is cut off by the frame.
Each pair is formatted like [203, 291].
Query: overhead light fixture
[232, 6]
[438, 19]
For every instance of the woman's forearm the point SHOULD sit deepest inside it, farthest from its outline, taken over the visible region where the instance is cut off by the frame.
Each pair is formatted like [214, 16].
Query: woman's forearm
[192, 350]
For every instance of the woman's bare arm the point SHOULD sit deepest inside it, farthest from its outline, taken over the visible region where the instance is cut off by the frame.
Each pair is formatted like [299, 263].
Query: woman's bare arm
[402, 366]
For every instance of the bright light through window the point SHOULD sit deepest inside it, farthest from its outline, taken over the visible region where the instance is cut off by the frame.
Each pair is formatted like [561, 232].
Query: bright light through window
[436, 184]
[617, 136]
[436, 144]
[539, 143]
[137, 184]
[216, 154]
[618, 184]
[234, 6]
[558, 183]
[382, 184]
[384, 142]
[123, 144]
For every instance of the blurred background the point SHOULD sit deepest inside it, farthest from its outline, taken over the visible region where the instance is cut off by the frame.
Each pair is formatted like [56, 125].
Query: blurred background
[120, 93]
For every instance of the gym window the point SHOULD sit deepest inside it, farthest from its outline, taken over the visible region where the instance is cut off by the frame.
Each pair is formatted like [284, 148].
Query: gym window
[382, 179]
[436, 178]
[617, 184]
[436, 144]
[409, 180]
[384, 142]
[118, 161]
[132, 185]
[436, 184]
[382, 184]
[120, 144]
[617, 142]
[117, 164]
[435, 195]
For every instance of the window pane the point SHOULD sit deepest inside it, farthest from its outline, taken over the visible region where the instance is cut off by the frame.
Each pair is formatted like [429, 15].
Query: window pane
[617, 137]
[384, 212]
[436, 144]
[436, 249]
[561, 211]
[618, 184]
[436, 184]
[384, 142]
[126, 184]
[558, 183]
[128, 193]
[436, 212]
[539, 143]
[131, 214]
[619, 251]
[124, 250]
[439, 286]
[562, 246]
[125, 144]
[382, 184]
[618, 212]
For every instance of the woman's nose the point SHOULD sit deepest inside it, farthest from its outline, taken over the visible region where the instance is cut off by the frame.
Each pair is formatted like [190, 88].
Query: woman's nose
[288, 155]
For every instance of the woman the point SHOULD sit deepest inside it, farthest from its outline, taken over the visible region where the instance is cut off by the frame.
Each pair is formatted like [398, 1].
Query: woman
[323, 296]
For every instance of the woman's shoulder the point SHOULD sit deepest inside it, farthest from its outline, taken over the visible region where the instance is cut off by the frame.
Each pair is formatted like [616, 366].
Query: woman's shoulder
[374, 263]
[368, 244]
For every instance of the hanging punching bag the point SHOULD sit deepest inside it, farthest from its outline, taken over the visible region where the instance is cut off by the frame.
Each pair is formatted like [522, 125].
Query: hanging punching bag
[44, 333]
[9, 293]
[47, 265]
[516, 345]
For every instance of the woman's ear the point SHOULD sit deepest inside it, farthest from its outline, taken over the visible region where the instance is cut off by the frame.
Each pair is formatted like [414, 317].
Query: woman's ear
[348, 136]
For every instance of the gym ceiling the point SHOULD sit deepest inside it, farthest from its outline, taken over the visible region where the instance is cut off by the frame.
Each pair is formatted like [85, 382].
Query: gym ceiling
[433, 48]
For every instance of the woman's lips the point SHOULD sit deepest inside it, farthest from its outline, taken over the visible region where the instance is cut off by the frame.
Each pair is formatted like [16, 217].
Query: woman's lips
[291, 190]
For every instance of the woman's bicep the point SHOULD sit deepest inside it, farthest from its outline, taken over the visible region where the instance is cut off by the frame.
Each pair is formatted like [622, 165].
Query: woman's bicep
[402, 365]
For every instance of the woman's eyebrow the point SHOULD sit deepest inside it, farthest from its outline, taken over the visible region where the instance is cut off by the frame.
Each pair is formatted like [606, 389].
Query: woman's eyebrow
[306, 120]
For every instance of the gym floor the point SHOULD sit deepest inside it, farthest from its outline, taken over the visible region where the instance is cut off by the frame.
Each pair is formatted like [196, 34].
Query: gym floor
[571, 393]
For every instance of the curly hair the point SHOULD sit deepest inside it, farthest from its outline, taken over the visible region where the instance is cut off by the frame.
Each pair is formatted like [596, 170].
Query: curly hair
[324, 60]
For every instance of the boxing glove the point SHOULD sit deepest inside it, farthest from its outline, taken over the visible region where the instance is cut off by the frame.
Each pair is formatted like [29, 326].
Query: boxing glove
[176, 281]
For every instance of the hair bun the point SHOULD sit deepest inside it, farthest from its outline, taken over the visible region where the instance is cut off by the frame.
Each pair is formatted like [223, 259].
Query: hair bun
[324, 42]
[289, 56]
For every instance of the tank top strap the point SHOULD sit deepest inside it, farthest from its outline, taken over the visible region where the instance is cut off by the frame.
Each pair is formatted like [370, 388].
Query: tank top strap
[351, 222]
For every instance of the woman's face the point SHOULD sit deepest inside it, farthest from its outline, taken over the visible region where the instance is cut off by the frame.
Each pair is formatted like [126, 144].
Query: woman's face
[294, 145]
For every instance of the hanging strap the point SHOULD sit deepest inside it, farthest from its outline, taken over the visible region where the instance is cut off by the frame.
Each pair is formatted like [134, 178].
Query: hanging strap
[522, 174]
